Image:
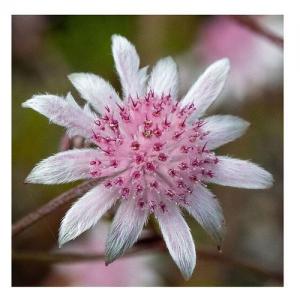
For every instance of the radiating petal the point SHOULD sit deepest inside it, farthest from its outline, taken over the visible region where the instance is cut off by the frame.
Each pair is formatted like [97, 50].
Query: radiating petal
[127, 64]
[64, 112]
[86, 212]
[63, 167]
[125, 229]
[143, 78]
[178, 239]
[95, 90]
[205, 208]
[240, 173]
[223, 129]
[207, 88]
[164, 78]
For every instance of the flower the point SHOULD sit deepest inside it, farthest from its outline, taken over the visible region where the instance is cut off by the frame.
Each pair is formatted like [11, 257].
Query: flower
[152, 151]
[130, 271]
[256, 62]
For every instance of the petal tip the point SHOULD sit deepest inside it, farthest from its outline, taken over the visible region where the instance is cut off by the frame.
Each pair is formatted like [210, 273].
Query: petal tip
[187, 271]
[63, 238]
[119, 39]
[72, 76]
[26, 104]
[269, 181]
[115, 36]
[31, 103]
[225, 62]
[112, 250]
[35, 176]
[31, 177]
[244, 125]
[223, 67]
[169, 59]
[110, 257]
[27, 180]
[187, 277]
[60, 244]
[265, 179]
[108, 260]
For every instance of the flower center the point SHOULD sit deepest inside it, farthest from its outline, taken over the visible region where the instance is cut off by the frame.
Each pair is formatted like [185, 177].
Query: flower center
[150, 154]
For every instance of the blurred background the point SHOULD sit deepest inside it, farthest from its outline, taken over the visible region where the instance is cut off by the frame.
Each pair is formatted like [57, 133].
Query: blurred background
[45, 49]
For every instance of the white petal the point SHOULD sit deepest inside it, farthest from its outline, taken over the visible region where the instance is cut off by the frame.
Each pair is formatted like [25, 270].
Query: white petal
[127, 64]
[63, 167]
[125, 229]
[164, 78]
[143, 78]
[223, 129]
[240, 173]
[205, 208]
[86, 212]
[95, 90]
[178, 239]
[64, 112]
[207, 88]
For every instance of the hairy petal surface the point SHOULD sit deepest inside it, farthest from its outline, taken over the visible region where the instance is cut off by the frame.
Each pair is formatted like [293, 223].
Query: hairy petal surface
[178, 239]
[63, 167]
[64, 112]
[223, 129]
[240, 173]
[86, 212]
[205, 208]
[164, 78]
[125, 229]
[127, 64]
[207, 88]
[143, 78]
[95, 90]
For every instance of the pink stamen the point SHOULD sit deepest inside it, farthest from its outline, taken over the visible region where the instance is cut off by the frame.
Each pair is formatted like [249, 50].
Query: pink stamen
[144, 144]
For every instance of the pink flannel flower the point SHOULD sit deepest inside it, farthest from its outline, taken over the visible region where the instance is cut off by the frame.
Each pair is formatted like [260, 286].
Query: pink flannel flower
[153, 152]
[256, 62]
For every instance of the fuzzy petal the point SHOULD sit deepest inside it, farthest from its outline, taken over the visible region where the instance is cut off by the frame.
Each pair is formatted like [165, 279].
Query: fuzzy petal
[178, 239]
[125, 229]
[164, 78]
[127, 64]
[207, 88]
[86, 212]
[205, 208]
[95, 90]
[143, 78]
[223, 129]
[63, 167]
[64, 112]
[240, 173]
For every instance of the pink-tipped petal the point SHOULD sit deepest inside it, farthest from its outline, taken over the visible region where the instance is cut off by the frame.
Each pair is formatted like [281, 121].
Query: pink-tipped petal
[125, 229]
[127, 64]
[178, 239]
[223, 129]
[95, 90]
[64, 112]
[164, 78]
[207, 88]
[206, 210]
[240, 173]
[86, 212]
[64, 167]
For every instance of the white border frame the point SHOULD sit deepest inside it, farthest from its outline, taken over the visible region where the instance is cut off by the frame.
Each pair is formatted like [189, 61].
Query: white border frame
[170, 7]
